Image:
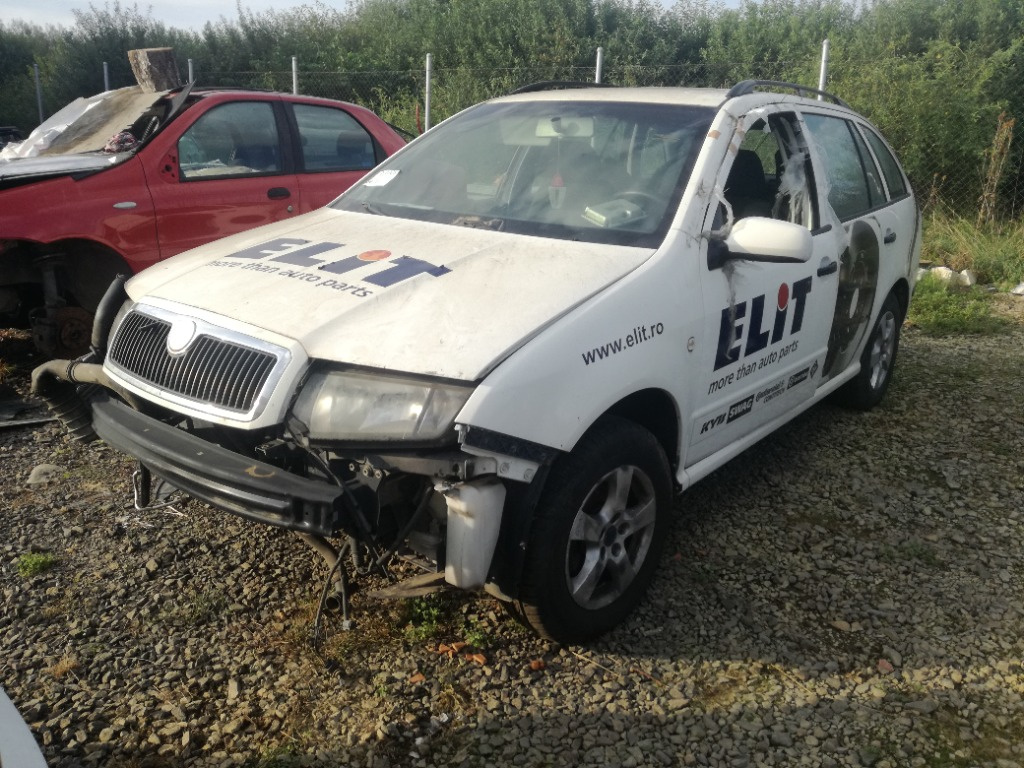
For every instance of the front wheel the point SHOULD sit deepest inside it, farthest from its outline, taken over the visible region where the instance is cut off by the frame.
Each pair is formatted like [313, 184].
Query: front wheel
[877, 360]
[598, 532]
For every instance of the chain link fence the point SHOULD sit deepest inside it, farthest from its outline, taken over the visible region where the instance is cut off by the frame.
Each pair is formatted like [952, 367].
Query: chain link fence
[983, 182]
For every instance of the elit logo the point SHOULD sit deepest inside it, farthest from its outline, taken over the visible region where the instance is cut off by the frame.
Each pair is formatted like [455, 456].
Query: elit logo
[303, 253]
[737, 339]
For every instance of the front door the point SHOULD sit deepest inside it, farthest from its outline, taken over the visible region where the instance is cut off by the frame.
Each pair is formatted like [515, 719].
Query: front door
[227, 173]
[766, 327]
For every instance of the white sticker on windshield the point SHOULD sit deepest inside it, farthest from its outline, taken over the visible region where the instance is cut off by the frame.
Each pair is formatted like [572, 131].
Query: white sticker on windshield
[381, 178]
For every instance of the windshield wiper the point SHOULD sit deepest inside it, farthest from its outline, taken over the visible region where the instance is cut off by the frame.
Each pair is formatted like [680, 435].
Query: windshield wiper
[493, 223]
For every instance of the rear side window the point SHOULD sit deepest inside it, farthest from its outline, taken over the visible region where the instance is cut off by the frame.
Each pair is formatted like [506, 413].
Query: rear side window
[333, 140]
[852, 190]
[890, 168]
[237, 139]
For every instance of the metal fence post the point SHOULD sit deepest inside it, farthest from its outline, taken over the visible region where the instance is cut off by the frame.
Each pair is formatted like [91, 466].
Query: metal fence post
[39, 92]
[823, 77]
[191, 72]
[295, 75]
[426, 98]
[599, 69]
[106, 76]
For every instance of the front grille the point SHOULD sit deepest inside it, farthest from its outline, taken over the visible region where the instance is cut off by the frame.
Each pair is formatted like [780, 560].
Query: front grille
[211, 371]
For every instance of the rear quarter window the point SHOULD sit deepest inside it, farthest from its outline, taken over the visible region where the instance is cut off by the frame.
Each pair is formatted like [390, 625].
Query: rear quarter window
[890, 168]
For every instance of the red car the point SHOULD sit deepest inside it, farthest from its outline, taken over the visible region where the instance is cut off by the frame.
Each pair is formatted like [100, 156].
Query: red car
[117, 182]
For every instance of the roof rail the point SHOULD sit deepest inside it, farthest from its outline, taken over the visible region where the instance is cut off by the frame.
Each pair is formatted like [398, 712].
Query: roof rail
[749, 86]
[556, 85]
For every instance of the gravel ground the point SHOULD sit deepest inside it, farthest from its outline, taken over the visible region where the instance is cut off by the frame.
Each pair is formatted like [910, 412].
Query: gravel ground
[847, 593]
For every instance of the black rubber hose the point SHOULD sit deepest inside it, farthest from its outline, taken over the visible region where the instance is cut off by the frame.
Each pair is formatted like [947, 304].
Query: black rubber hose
[50, 382]
[106, 311]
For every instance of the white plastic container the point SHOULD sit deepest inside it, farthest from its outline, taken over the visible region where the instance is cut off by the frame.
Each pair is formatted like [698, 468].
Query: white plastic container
[474, 519]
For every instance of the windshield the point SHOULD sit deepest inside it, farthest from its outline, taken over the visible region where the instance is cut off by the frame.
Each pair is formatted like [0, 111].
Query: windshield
[602, 172]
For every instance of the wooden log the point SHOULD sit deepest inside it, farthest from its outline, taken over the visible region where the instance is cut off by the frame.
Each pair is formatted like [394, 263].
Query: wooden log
[155, 69]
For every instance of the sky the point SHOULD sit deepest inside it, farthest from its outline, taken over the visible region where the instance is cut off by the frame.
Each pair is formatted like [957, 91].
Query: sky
[183, 14]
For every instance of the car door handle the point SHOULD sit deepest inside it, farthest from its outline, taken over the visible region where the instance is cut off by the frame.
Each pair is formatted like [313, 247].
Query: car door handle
[278, 193]
[827, 267]
[890, 237]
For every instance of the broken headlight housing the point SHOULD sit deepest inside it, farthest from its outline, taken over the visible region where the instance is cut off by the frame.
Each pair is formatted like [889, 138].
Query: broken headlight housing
[366, 407]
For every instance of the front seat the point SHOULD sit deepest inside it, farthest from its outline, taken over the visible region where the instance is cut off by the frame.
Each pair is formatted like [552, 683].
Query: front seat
[746, 188]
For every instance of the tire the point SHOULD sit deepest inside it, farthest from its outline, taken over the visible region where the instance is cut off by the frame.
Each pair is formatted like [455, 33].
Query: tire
[597, 533]
[877, 361]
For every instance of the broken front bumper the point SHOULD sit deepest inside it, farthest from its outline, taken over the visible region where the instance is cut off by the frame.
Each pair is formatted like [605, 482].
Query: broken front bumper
[222, 478]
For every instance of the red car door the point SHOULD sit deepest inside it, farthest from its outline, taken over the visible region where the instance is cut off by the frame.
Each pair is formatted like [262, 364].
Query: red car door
[229, 170]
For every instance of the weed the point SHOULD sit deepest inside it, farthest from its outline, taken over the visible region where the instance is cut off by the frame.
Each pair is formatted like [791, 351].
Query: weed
[196, 608]
[277, 757]
[35, 563]
[67, 664]
[475, 633]
[428, 617]
[939, 308]
[918, 550]
[911, 549]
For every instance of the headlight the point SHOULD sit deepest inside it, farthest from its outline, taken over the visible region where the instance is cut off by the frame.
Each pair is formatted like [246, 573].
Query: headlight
[346, 405]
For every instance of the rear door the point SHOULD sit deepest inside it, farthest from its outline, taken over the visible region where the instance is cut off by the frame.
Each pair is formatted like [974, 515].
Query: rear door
[230, 170]
[334, 151]
[871, 200]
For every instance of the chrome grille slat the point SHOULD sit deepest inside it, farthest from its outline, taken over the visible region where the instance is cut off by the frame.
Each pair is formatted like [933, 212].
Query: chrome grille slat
[211, 371]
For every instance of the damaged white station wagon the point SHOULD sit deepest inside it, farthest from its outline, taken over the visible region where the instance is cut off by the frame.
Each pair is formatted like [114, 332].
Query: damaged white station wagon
[505, 350]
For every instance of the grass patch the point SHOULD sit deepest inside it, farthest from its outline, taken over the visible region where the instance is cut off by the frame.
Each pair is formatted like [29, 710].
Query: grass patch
[939, 309]
[35, 563]
[994, 252]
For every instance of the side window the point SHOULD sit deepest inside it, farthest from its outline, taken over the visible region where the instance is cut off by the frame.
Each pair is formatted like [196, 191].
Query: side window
[852, 191]
[237, 139]
[771, 174]
[890, 168]
[333, 140]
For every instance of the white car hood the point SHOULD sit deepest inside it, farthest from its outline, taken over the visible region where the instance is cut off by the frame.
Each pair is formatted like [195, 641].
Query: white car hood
[488, 294]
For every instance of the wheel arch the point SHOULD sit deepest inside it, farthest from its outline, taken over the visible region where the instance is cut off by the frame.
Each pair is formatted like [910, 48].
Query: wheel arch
[85, 267]
[653, 409]
[901, 290]
[656, 411]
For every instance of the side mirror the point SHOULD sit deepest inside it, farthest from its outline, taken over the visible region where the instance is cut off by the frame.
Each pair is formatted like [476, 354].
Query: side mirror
[762, 240]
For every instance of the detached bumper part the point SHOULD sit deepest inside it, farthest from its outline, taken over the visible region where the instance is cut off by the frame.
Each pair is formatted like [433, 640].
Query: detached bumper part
[224, 479]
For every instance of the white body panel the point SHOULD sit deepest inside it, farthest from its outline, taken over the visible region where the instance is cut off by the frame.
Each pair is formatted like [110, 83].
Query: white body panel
[496, 290]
